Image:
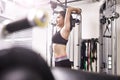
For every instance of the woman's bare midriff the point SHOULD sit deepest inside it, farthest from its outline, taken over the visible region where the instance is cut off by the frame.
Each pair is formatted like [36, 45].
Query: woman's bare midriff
[59, 50]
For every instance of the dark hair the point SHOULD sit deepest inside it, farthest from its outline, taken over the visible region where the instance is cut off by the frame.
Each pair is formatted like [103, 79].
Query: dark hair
[62, 13]
[22, 57]
[71, 18]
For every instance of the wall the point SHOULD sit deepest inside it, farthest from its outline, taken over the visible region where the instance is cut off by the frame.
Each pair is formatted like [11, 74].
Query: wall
[90, 18]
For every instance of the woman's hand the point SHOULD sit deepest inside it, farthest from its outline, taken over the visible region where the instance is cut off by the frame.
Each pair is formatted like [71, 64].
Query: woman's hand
[74, 10]
[78, 10]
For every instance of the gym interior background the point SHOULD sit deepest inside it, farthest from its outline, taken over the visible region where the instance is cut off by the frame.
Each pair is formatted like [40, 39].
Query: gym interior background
[90, 25]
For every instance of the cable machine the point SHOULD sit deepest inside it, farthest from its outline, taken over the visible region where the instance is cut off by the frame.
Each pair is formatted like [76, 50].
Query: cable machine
[74, 43]
[108, 37]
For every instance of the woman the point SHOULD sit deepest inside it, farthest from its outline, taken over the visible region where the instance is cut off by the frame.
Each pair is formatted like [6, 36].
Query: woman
[60, 39]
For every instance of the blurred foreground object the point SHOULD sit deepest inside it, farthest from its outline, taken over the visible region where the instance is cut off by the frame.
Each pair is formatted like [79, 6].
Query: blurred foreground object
[71, 74]
[20, 63]
[35, 18]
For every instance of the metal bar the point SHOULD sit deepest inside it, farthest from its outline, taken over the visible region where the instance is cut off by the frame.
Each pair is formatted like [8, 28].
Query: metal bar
[115, 56]
[71, 1]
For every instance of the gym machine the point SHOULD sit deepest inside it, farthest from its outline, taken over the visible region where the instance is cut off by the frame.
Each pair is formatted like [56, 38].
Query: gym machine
[108, 37]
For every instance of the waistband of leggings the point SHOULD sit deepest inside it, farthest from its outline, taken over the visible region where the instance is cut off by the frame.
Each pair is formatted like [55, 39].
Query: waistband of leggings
[61, 58]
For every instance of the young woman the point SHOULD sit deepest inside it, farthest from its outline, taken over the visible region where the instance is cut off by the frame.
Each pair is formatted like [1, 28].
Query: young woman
[60, 39]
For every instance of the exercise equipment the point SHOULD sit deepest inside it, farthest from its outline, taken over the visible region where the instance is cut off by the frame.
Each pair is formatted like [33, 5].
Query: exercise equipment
[74, 42]
[108, 37]
[34, 18]
[89, 55]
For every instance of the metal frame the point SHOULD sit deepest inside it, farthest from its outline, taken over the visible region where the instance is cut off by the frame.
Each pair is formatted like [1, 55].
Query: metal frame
[108, 47]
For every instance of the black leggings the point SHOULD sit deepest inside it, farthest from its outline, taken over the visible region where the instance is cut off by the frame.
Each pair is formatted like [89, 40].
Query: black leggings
[63, 63]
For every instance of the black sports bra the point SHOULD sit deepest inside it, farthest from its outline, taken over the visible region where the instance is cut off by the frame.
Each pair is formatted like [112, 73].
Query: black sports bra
[57, 38]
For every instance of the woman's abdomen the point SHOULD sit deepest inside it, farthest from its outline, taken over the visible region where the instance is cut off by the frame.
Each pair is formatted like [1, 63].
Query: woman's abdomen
[59, 50]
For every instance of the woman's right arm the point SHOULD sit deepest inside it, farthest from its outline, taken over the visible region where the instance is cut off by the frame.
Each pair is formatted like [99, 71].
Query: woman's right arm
[74, 10]
[70, 10]
[66, 29]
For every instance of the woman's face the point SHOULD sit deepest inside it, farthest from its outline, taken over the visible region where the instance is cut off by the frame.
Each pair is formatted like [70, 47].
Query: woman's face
[60, 20]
